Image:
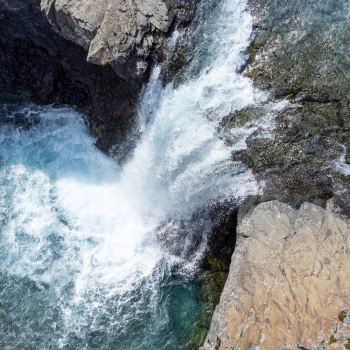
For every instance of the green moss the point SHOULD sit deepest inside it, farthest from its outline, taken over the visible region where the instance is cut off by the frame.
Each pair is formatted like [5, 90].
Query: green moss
[347, 345]
[253, 73]
[332, 340]
[217, 264]
[160, 32]
[181, 59]
[342, 316]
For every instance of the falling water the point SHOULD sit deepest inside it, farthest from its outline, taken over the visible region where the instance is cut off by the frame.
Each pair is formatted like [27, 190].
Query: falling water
[87, 257]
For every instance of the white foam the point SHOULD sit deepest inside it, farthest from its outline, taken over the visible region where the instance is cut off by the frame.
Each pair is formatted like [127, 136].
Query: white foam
[74, 215]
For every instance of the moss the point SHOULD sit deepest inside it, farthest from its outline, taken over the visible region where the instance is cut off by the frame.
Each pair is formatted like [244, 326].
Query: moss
[332, 340]
[253, 73]
[180, 61]
[217, 264]
[347, 344]
[342, 316]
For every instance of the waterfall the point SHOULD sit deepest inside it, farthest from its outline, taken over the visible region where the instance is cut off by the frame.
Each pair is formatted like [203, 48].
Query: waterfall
[98, 256]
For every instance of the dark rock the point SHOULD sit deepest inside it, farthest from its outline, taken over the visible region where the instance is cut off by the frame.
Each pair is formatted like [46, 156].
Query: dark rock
[49, 69]
[299, 51]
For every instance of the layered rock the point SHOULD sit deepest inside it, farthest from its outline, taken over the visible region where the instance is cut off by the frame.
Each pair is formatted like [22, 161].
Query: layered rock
[289, 282]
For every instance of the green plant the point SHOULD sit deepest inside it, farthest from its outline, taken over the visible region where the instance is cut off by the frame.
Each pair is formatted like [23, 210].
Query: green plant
[341, 316]
[332, 340]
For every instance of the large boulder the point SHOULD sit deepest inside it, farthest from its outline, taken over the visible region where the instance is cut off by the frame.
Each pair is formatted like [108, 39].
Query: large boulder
[289, 282]
[117, 32]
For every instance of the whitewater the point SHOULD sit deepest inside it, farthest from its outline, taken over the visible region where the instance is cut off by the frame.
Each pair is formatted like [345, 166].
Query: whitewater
[94, 255]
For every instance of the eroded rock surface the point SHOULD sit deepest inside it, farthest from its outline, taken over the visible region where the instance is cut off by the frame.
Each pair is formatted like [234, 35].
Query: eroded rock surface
[117, 32]
[289, 282]
[300, 52]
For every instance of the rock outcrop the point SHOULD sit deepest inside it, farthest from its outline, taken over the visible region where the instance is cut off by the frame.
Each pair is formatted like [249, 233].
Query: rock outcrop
[116, 32]
[46, 68]
[300, 52]
[289, 282]
[68, 52]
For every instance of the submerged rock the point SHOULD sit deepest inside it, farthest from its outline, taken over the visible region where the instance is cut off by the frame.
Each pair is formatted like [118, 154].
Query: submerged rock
[288, 284]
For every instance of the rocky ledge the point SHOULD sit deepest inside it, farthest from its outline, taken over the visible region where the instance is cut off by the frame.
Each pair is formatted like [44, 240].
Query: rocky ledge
[289, 282]
[80, 52]
[116, 32]
[300, 53]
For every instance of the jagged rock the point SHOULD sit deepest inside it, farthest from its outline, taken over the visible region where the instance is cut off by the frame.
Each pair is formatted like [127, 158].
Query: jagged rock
[300, 52]
[289, 282]
[117, 32]
[50, 69]
[45, 46]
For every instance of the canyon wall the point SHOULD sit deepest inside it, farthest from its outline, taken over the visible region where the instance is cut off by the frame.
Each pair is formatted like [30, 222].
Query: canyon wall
[289, 282]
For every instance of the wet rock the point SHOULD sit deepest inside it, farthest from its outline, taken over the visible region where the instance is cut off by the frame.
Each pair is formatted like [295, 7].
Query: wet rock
[45, 46]
[43, 67]
[299, 52]
[288, 283]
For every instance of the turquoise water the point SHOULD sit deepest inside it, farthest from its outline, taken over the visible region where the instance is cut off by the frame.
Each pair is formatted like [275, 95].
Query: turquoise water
[98, 256]
[47, 241]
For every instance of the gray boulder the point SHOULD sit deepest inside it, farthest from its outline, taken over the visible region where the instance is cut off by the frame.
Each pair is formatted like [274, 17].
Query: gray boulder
[117, 32]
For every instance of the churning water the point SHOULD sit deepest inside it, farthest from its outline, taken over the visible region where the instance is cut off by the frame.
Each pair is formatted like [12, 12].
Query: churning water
[95, 256]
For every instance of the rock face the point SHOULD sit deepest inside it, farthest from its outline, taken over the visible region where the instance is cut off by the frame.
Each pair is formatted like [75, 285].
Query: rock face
[45, 46]
[289, 282]
[300, 52]
[50, 69]
[117, 32]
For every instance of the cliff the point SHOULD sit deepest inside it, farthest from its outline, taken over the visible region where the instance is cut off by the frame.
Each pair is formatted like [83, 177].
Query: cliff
[116, 32]
[288, 284]
[91, 54]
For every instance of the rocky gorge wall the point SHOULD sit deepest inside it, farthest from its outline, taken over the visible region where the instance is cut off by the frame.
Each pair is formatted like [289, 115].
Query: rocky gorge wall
[289, 282]
[94, 55]
[300, 53]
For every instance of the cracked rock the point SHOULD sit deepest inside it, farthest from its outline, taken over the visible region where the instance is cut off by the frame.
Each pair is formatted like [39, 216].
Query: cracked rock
[289, 281]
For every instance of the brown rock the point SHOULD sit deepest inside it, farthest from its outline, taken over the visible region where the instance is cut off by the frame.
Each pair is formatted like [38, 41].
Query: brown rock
[289, 280]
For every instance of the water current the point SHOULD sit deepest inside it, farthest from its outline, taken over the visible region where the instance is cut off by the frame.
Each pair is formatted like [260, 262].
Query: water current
[87, 257]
